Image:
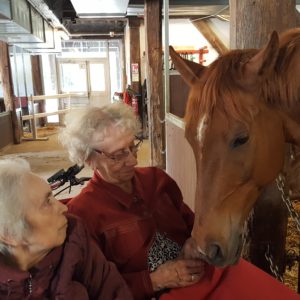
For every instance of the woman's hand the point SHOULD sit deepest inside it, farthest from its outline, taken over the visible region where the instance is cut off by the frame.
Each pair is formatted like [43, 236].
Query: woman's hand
[177, 273]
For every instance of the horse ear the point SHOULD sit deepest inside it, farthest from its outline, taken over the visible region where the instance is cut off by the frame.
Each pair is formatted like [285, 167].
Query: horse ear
[291, 130]
[189, 70]
[262, 64]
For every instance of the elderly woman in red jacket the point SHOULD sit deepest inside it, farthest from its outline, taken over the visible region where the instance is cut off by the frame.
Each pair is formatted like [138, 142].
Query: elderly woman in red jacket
[138, 218]
[45, 254]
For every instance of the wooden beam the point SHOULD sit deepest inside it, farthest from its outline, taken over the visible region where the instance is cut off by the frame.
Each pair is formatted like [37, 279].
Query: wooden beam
[45, 114]
[123, 65]
[247, 30]
[36, 75]
[210, 35]
[156, 107]
[37, 84]
[135, 60]
[8, 91]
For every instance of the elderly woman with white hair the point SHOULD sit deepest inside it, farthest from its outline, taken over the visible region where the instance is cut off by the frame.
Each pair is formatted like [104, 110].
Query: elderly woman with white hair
[127, 209]
[138, 218]
[44, 253]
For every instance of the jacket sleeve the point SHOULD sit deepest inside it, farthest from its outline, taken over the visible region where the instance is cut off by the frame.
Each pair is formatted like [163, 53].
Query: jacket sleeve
[187, 215]
[100, 276]
[140, 284]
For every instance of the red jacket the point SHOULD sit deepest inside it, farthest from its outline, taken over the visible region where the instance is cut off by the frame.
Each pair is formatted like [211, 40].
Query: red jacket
[124, 224]
[77, 270]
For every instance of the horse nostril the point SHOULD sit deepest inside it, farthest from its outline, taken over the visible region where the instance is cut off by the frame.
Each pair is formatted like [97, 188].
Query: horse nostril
[214, 253]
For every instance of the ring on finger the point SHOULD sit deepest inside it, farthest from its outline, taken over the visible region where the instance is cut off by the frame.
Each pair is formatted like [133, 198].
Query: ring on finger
[192, 277]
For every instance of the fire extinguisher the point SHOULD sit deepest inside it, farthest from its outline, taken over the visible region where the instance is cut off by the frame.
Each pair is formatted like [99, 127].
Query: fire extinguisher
[135, 104]
[126, 98]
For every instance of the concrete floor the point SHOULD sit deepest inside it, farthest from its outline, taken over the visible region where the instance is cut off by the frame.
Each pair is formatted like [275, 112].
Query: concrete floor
[48, 157]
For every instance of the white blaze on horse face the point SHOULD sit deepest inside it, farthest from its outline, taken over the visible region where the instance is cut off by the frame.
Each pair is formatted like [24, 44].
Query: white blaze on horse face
[201, 129]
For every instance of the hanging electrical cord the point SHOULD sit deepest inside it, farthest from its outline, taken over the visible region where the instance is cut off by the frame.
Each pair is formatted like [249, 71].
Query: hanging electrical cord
[215, 15]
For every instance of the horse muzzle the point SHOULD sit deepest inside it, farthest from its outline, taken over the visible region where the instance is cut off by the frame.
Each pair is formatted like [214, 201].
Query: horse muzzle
[220, 255]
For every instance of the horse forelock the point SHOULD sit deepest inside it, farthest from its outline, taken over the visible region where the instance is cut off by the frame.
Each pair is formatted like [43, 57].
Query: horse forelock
[219, 88]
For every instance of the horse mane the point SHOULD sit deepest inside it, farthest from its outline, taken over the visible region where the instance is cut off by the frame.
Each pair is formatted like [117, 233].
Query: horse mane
[221, 84]
[219, 87]
[283, 87]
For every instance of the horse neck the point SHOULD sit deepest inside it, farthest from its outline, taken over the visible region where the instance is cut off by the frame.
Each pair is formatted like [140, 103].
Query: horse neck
[292, 109]
[289, 83]
[284, 91]
[294, 112]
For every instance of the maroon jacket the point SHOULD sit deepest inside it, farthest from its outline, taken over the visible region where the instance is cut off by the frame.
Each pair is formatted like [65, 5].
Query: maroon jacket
[124, 225]
[77, 270]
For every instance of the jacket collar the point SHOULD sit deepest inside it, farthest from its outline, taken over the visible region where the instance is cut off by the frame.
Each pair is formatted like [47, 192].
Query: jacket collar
[9, 273]
[117, 193]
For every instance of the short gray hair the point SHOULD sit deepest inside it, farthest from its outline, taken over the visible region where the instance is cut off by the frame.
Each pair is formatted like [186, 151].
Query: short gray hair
[12, 222]
[81, 124]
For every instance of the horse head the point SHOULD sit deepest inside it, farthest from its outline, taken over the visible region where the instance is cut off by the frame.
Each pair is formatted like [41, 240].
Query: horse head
[238, 138]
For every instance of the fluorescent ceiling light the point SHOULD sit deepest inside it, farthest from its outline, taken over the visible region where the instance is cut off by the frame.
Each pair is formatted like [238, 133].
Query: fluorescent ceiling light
[99, 7]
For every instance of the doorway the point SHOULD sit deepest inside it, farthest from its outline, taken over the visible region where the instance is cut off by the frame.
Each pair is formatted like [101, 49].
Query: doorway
[89, 78]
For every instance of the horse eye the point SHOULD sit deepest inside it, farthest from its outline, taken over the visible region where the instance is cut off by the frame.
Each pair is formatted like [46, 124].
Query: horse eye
[239, 141]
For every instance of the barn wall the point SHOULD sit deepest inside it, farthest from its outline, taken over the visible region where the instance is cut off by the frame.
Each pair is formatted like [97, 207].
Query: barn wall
[6, 129]
[180, 161]
[179, 91]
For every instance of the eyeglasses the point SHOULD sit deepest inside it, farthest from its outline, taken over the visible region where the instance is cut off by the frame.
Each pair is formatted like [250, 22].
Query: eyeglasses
[124, 153]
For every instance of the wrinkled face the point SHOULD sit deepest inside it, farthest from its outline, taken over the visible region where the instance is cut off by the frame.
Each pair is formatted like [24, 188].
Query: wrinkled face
[115, 157]
[44, 216]
[234, 160]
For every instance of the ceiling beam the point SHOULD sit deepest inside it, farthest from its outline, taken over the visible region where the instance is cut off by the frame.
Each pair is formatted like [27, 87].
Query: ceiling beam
[210, 35]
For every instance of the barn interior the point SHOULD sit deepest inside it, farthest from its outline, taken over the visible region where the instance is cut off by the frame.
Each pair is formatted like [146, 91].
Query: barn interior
[57, 55]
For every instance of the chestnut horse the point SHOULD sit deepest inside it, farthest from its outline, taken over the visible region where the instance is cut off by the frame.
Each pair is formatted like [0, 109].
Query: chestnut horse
[241, 110]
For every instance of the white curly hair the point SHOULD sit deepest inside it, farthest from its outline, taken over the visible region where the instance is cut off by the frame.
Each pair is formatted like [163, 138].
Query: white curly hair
[12, 220]
[82, 124]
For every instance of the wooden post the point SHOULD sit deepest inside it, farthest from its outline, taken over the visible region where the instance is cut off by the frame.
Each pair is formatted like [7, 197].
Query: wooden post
[135, 60]
[8, 91]
[156, 107]
[123, 63]
[251, 23]
[38, 85]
